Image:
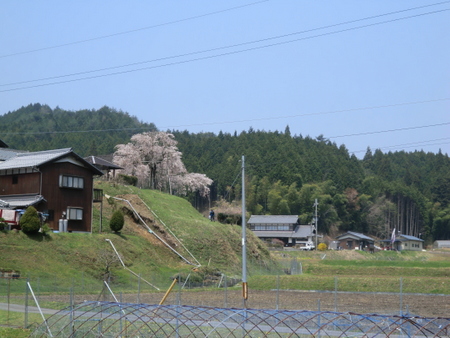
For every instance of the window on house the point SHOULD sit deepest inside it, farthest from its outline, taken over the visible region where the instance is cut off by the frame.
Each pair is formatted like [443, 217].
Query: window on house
[75, 213]
[15, 179]
[51, 215]
[71, 182]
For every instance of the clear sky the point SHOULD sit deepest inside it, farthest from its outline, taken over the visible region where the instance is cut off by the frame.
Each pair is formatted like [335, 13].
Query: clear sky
[371, 73]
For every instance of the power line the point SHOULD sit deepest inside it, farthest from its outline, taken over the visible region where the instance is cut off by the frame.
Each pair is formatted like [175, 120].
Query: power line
[410, 145]
[308, 114]
[134, 30]
[259, 119]
[204, 57]
[220, 48]
[392, 130]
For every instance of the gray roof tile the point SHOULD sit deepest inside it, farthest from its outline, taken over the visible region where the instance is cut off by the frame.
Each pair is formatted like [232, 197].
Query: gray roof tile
[273, 219]
[33, 159]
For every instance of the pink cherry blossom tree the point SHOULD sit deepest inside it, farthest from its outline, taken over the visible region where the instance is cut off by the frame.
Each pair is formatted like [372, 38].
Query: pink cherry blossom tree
[153, 157]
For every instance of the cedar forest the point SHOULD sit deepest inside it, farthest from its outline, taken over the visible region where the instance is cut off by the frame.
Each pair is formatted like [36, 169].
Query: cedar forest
[285, 173]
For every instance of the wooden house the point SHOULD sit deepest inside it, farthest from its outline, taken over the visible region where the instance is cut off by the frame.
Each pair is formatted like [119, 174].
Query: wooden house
[285, 228]
[355, 241]
[58, 183]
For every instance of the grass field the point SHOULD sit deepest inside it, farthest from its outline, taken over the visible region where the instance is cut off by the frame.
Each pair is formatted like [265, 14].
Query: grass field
[61, 264]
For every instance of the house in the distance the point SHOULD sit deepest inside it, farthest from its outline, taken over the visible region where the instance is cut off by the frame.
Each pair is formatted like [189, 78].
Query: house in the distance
[404, 242]
[104, 163]
[285, 228]
[355, 241]
[58, 183]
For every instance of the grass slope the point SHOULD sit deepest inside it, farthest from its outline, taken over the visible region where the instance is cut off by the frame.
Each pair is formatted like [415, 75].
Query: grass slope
[65, 257]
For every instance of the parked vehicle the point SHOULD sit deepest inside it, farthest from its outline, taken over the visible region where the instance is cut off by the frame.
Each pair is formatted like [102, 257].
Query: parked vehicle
[308, 246]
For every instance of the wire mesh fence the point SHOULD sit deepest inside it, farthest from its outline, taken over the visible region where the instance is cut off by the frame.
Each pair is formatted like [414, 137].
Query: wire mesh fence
[106, 319]
[23, 299]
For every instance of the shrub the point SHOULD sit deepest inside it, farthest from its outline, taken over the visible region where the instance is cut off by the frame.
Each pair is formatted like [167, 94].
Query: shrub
[3, 224]
[322, 247]
[130, 180]
[30, 222]
[117, 221]
[46, 229]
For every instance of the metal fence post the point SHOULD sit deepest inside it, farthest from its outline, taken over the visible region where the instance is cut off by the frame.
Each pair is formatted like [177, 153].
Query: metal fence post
[139, 289]
[335, 293]
[26, 304]
[401, 296]
[226, 291]
[318, 319]
[278, 290]
[71, 309]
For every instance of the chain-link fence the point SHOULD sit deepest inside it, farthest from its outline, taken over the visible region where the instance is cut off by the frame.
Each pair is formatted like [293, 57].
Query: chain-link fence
[26, 302]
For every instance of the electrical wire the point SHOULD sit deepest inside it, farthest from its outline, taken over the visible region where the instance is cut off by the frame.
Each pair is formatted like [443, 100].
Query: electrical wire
[200, 58]
[392, 130]
[409, 145]
[137, 30]
[237, 121]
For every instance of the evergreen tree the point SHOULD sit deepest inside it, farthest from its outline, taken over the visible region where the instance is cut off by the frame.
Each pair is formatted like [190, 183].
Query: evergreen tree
[30, 222]
[117, 221]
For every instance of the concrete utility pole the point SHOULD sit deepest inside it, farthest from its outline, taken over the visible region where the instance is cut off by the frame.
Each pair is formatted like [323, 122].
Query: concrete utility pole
[244, 239]
[316, 219]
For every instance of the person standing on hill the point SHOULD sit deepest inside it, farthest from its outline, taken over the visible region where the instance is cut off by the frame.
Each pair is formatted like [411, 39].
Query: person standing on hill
[211, 215]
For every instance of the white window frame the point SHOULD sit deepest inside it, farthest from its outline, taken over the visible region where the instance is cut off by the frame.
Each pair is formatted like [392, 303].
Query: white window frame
[75, 213]
[68, 181]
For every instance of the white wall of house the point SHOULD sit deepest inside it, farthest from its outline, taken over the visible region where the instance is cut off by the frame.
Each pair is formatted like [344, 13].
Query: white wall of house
[411, 245]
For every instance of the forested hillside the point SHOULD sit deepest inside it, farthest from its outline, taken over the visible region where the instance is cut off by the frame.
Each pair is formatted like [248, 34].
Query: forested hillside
[38, 127]
[285, 173]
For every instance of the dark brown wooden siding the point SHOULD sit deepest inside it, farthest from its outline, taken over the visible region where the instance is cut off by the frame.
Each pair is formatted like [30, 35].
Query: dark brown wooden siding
[24, 184]
[59, 199]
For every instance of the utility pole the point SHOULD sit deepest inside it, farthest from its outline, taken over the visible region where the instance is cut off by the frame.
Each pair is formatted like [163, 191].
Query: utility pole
[244, 239]
[316, 219]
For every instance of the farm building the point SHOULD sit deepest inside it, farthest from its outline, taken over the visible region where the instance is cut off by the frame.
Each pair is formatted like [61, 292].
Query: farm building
[58, 183]
[285, 228]
[440, 244]
[354, 240]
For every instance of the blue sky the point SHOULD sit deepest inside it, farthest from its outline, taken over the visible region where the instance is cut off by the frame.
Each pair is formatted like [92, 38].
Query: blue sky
[348, 70]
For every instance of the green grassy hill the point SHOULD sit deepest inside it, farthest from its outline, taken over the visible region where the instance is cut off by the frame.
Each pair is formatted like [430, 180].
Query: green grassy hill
[65, 257]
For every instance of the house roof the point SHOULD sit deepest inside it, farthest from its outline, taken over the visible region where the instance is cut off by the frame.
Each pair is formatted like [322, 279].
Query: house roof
[408, 238]
[39, 158]
[273, 219]
[302, 231]
[355, 235]
[6, 154]
[3, 144]
[33, 159]
[101, 163]
[19, 201]
[403, 238]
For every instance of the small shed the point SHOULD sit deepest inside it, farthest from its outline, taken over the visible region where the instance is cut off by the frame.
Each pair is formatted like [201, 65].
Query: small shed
[355, 240]
[441, 244]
